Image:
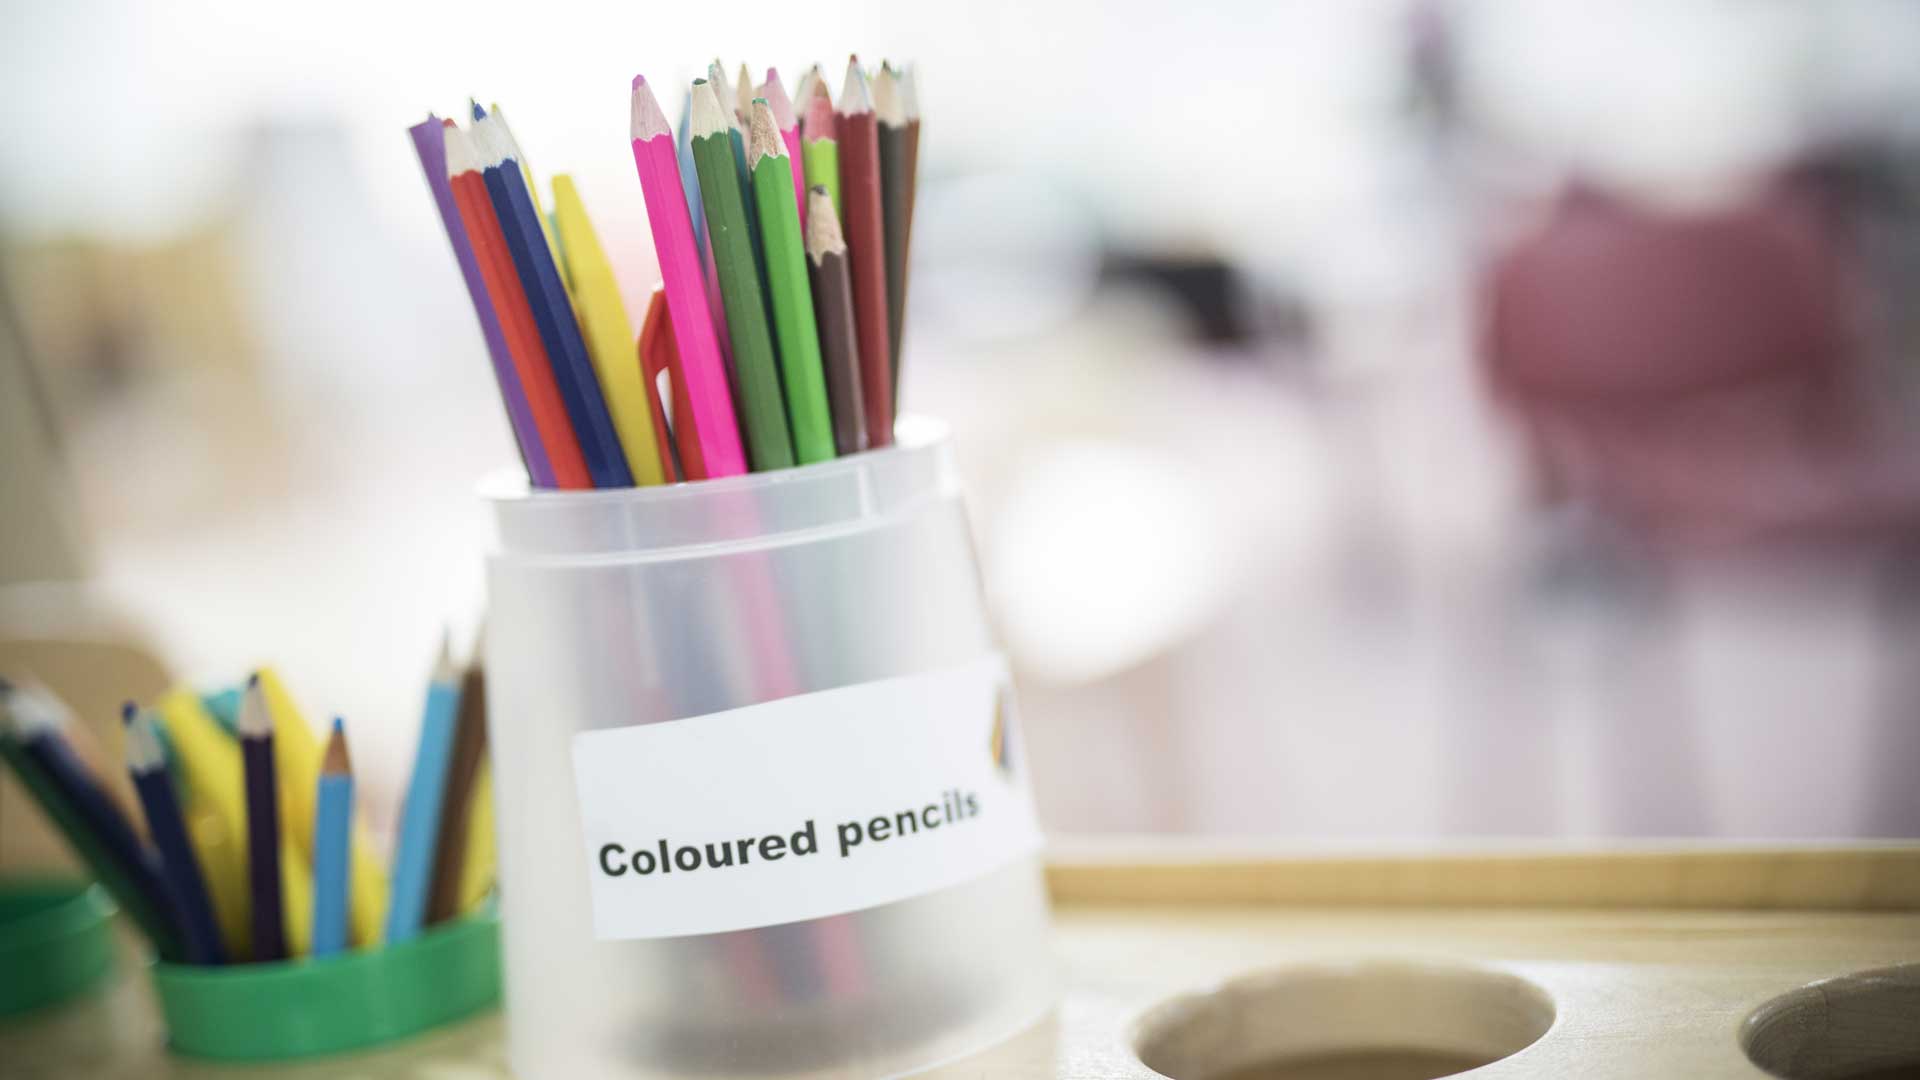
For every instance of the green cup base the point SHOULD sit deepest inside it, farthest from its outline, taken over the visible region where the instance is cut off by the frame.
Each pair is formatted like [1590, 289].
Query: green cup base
[56, 941]
[301, 1008]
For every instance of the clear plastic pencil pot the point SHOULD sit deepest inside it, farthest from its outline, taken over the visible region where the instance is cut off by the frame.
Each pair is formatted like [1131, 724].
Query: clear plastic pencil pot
[762, 803]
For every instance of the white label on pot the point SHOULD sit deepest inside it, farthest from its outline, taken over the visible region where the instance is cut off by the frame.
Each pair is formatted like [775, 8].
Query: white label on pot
[807, 806]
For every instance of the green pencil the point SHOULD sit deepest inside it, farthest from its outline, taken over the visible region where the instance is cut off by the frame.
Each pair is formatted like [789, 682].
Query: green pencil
[762, 411]
[793, 325]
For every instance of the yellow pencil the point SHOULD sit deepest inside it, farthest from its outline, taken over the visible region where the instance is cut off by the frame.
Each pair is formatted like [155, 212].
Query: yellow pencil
[476, 873]
[211, 760]
[609, 334]
[297, 753]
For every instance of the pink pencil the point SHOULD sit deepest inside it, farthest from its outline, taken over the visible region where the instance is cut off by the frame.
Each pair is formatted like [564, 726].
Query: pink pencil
[700, 365]
[789, 126]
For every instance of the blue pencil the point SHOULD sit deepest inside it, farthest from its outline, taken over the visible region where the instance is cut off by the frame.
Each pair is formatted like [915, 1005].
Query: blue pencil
[552, 309]
[420, 813]
[332, 832]
[689, 176]
[179, 866]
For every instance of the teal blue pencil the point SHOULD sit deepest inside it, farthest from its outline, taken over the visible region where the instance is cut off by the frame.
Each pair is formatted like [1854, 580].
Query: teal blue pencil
[420, 813]
[332, 833]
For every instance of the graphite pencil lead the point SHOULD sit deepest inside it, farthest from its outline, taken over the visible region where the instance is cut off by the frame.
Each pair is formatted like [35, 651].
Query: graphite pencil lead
[648, 121]
[855, 97]
[764, 139]
[823, 226]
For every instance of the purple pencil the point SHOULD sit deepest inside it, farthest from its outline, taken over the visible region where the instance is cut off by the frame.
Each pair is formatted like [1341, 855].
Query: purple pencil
[263, 826]
[429, 141]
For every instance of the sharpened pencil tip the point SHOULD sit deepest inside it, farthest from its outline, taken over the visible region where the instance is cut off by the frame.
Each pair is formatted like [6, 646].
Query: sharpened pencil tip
[253, 680]
[129, 712]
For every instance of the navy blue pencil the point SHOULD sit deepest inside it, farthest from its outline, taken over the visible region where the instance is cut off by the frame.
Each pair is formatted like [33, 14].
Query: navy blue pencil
[552, 309]
[263, 826]
[179, 866]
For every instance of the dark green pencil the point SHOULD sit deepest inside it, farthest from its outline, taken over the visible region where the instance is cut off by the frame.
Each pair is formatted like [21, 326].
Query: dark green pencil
[762, 410]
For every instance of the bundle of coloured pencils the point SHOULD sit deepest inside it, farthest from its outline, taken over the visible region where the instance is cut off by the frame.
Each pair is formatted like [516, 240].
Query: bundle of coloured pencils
[244, 846]
[781, 227]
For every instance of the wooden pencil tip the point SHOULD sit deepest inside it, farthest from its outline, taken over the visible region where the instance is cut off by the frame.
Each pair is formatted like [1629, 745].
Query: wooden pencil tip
[819, 118]
[129, 712]
[886, 99]
[855, 96]
[823, 225]
[763, 138]
[335, 761]
[647, 121]
[255, 719]
[708, 116]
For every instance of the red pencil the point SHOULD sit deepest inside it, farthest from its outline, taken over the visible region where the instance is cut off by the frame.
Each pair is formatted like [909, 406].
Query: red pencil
[516, 318]
[660, 353]
[866, 249]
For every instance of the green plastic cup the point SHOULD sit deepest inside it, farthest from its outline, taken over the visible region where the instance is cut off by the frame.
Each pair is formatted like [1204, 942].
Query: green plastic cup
[56, 941]
[300, 1008]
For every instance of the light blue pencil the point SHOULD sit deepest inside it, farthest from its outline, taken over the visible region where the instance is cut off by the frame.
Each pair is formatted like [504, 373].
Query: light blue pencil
[332, 832]
[420, 814]
[689, 178]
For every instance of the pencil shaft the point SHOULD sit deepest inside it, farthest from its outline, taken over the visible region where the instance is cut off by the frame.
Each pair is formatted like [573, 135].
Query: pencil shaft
[839, 346]
[420, 814]
[710, 416]
[186, 881]
[769, 444]
[796, 168]
[893, 205]
[553, 314]
[456, 805]
[332, 863]
[137, 894]
[429, 140]
[792, 300]
[737, 139]
[529, 355]
[867, 261]
[821, 161]
[269, 920]
[608, 332]
[660, 364]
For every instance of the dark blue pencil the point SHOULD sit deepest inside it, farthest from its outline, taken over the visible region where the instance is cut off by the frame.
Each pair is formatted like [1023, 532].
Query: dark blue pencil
[263, 826]
[179, 866]
[552, 309]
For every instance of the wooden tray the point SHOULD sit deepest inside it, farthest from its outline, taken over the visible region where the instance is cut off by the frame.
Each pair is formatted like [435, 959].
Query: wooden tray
[1649, 964]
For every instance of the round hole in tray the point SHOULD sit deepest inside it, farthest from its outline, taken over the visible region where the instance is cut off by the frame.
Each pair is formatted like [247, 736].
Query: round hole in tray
[1362, 1021]
[1864, 1026]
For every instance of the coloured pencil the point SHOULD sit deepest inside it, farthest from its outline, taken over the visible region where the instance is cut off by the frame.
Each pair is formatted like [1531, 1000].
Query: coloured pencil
[296, 756]
[769, 444]
[420, 810]
[477, 871]
[332, 843]
[528, 353]
[31, 742]
[797, 338]
[909, 83]
[268, 918]
[783, 118]
[179, 866]
[450, 847]
[743, 95]
[726, 94]
[708, 424]
[526, 174]
[429, 143]
[608, 333]
[552, 308]
[667, 395]
[820, 149]
[891, 115]
[833, 314]
[215, 806]
[863, 225]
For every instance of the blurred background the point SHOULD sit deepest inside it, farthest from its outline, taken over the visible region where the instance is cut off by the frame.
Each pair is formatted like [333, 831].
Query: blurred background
[1383, 421]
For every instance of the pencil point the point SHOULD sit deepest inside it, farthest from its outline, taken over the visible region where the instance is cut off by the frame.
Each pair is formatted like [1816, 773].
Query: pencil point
[253, 680]
[255, 720]
[886, 99]
[709, 115]
[128, 713]
[647, 121]
[819, 118]
[823, 225]
[855, 96]
[764, 139]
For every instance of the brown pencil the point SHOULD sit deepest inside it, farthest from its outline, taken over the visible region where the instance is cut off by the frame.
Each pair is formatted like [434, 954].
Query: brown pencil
[833, 314]
[456, 804]
[865, 234]
[892, 129]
